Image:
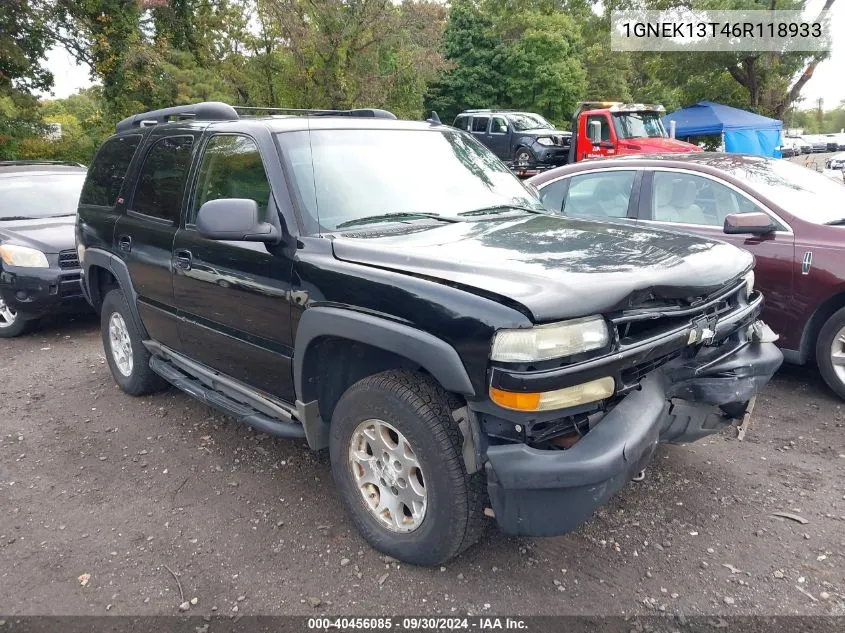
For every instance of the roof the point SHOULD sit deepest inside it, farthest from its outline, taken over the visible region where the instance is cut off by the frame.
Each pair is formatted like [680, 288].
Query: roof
[706, 117]
[707, 162]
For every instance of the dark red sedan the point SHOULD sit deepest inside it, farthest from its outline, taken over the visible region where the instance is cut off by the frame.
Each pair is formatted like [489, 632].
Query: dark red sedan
[791, 218]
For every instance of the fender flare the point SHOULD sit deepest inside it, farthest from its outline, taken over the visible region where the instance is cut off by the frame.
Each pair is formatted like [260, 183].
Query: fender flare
[117, 267]
[435, 355]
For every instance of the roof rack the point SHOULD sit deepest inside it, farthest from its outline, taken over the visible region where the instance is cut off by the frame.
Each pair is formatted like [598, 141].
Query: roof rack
[218, 111]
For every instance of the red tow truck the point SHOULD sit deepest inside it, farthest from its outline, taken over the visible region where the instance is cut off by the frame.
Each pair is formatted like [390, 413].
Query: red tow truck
[604, 129]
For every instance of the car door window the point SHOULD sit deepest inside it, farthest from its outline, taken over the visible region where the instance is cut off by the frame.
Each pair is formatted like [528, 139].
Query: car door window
[231, 167]
[462, 122]
[599, 195]
[479, 124]
[161, 182]
[689, 199]
[105, 177]
[552, 195]
[605, 127]
[499, 126]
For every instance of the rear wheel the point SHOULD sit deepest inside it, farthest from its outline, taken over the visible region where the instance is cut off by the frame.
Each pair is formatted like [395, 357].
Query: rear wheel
[127, 357]
[396, 459]
[830, 352]
[12, 324]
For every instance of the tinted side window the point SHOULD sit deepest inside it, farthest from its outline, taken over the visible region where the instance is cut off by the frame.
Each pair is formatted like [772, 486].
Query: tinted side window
[688, 199]
[605, 127]
[600, 194]
[462, 122]
[231, 168]
[479, 123]
[105, 177]
[161, 182]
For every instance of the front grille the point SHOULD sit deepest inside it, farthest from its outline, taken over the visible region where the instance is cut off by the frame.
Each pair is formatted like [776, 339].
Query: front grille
[637, 325]
[68, 260]
[70, 285]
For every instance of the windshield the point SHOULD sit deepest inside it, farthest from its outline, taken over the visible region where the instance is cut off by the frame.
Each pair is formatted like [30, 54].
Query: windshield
[526, 121]
[805, 193]
[39, 196]
[358, 174]
[638, 125]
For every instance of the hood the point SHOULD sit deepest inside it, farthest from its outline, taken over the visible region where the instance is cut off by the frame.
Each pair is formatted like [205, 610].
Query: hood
[657, 145]
[557, 267]
[49, 235]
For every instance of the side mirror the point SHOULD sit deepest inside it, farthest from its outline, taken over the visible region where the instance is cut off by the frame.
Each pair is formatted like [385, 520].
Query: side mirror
[757, 223]
[595, 132]
[234, 219]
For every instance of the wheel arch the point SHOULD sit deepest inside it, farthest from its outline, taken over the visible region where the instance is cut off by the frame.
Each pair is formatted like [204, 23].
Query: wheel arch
[357, 345]
[832, 304]
[103, 272]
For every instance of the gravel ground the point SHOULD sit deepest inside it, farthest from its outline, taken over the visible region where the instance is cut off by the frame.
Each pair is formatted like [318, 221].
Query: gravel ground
[104, 495]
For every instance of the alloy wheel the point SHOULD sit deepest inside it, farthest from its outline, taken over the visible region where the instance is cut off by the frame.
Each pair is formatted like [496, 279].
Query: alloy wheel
[388, 474]
[120, 344]
[7, 315]
[837, 355]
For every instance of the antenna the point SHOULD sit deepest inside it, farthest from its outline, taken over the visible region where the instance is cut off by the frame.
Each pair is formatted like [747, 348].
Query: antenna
[433, 118]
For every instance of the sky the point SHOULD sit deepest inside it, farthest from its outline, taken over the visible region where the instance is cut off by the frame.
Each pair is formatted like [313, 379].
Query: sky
[827, 82]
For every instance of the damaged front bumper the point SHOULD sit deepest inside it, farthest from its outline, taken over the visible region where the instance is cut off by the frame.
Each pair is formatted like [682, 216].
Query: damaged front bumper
[549, 492]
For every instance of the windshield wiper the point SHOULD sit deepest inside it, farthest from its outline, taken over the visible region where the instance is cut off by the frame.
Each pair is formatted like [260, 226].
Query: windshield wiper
[388, 217]
[501, 208]
[17, 217]
[839, 222]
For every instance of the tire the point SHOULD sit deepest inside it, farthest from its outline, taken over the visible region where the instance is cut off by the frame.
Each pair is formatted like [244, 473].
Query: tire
[523, 158]
[12, 324]
[119, 333]
[450, 515]
[830, 346]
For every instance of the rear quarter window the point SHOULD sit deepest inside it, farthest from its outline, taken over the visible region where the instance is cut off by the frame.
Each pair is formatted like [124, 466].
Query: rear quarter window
[107, 172]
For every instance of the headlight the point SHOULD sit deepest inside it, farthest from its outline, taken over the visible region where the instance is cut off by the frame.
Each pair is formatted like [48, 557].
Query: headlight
[545, 140]
[748, 278]
[23, 256]
[544, 342]
[576, 395]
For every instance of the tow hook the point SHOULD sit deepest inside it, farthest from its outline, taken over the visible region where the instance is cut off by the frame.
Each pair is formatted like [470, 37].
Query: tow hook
[639, 476]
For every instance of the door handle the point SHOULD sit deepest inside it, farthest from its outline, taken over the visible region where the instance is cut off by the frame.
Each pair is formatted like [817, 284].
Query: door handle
[124, 243]
[183, 259]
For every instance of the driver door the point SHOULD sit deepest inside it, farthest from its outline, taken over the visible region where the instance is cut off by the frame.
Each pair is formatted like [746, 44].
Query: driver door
[233, 298]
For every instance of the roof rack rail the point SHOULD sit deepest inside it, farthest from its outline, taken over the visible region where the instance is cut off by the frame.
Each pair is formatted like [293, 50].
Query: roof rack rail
[205, 111]
[374, 113]
[218, 111]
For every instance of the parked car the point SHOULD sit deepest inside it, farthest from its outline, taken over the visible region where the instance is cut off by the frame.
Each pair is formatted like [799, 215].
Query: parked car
[524, 139]
[791, 218]
[835, 142]
[802, 146]
[455, 346]
[787, 149]
[836, 162]
[39, 269]
[817, 142]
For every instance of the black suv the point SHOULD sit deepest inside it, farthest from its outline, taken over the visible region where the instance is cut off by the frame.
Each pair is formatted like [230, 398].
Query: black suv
[460, 351]
[522, 139]
[39, 269]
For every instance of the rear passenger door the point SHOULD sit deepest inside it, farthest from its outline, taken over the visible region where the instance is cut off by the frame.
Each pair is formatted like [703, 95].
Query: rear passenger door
[143, 236]
[233, 297]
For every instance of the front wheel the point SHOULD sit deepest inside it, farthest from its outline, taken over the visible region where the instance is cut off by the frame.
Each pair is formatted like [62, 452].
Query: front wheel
[830, 352]
[12, 324]
[396, 460]
[523, 159]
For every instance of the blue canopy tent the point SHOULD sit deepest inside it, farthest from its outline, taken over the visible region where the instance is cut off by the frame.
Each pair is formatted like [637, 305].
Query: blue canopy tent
[744, 132]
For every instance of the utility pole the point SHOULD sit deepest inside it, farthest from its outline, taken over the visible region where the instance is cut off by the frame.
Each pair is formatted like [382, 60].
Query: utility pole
[820, 112]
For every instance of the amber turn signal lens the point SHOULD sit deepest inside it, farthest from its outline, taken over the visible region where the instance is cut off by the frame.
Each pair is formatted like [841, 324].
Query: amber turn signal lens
[592, 391]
